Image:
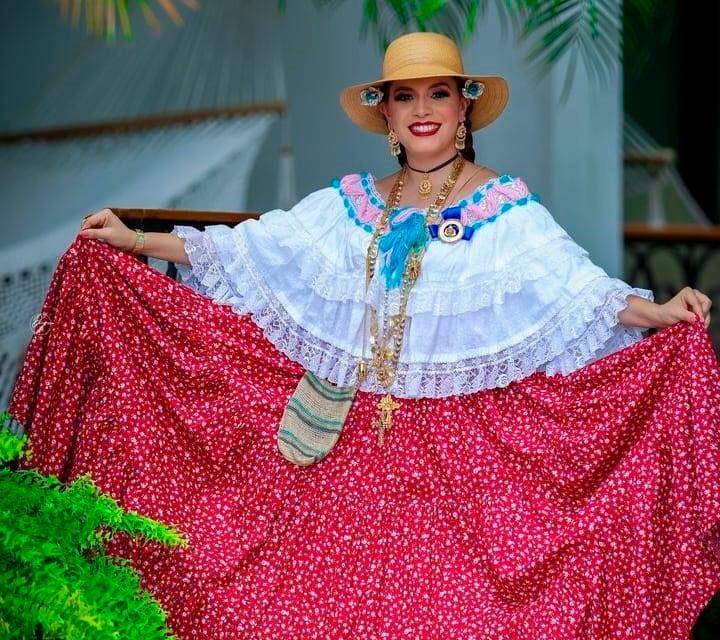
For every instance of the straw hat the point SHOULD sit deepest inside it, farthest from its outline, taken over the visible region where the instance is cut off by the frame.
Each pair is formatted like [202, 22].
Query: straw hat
[424, 55]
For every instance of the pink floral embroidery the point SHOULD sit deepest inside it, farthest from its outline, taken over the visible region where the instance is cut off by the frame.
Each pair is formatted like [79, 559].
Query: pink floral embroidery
[494, 197]
[365, 211]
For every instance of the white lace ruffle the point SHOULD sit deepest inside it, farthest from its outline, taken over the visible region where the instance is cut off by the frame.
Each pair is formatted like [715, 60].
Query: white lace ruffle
[321, 275]
[317, 246]
[483, 289]
[580, 333]
[480, 290]
[249, 294]
[576, 329]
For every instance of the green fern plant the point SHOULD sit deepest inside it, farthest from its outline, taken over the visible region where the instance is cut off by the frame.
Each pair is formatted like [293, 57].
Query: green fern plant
[55, 579]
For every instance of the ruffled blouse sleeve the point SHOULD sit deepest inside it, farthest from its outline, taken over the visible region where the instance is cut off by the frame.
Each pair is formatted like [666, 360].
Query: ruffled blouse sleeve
[516, 295]
[306, 246]
[299, 273]
[537, 297]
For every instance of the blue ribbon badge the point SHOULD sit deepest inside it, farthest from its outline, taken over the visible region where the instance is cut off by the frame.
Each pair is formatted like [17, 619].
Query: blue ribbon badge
[451, 229]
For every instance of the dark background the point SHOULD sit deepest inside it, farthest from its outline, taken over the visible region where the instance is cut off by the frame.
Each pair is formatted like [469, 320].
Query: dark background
[671, 79]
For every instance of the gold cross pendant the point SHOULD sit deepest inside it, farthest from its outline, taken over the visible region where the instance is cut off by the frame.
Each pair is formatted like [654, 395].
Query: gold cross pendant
[386, 405]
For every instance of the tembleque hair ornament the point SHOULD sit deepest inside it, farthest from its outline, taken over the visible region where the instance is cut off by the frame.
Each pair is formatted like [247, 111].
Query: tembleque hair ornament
[473, 89]
[371, 97]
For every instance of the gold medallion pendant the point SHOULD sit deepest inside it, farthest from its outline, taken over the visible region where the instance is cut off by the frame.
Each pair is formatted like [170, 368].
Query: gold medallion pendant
[425, 187]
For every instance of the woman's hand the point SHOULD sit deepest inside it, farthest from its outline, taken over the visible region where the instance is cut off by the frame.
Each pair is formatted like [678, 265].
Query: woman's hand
[686, 303]
[107, 227]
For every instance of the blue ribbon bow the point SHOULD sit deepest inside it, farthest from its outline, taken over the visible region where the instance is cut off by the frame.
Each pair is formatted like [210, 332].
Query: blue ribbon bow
[451, 213]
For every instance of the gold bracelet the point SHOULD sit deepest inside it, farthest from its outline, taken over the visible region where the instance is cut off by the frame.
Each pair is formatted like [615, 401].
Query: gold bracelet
[139, 237]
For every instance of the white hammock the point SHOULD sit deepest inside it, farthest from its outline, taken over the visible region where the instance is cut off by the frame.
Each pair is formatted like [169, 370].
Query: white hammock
[50, 186]
[648, 188]
[218, 59]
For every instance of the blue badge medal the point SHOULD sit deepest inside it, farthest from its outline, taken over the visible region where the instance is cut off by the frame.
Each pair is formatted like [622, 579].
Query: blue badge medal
[451, 229]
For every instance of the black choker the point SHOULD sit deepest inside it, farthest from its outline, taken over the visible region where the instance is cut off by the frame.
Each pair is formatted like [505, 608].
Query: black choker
[425, 187]
[440, 166]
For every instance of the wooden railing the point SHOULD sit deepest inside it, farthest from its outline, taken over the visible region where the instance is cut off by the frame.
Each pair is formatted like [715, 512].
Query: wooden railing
[692, 246]
[163, 220]
[141, 123]
[667, 258]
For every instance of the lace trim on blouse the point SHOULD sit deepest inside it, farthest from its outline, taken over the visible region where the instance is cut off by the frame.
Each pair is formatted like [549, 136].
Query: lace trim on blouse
[542, 254]
[582, 330]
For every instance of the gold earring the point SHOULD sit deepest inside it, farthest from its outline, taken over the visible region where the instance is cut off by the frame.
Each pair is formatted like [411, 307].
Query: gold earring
[393, 142]
[460, 136]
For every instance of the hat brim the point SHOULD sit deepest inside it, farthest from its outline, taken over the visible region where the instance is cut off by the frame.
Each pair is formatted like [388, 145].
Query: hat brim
[485, 109]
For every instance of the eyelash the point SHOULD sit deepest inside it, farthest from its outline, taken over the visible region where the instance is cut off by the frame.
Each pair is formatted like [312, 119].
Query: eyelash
[399, 96]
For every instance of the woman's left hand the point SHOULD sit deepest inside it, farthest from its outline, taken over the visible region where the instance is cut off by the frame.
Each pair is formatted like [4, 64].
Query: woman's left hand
[683, 306]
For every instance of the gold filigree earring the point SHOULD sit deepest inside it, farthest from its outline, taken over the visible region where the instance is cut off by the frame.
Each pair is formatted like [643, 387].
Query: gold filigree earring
[460, 135]
[393, 142]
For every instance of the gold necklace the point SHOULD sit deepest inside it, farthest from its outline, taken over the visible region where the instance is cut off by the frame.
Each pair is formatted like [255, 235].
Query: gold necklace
[385, 348]
[425, 187]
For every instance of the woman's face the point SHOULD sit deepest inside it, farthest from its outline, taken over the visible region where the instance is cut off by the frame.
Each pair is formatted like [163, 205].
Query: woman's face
[425, 113]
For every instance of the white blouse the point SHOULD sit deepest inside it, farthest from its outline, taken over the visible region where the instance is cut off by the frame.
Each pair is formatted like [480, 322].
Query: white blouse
[515, 295]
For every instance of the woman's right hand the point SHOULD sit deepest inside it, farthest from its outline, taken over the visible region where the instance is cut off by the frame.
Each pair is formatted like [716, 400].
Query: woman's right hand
[107, 227]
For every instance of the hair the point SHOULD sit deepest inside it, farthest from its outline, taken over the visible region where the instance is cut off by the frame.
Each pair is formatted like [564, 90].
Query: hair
[468, 152]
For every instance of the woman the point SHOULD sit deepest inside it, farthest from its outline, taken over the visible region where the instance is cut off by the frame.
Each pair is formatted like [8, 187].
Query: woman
[418, 411]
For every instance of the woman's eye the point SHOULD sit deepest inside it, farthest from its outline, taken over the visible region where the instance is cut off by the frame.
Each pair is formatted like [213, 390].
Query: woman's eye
[404, 97]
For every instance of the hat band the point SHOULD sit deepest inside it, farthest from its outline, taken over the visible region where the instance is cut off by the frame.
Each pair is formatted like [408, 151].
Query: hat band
[415, 70]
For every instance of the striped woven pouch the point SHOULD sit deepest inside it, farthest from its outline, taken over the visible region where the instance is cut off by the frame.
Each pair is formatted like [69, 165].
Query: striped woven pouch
[313, 419]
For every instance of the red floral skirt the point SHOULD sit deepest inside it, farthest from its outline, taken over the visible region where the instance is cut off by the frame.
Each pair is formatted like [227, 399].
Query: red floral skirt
[577, 507]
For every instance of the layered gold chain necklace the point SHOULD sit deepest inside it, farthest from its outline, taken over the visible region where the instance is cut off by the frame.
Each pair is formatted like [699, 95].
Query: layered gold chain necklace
[386, 345]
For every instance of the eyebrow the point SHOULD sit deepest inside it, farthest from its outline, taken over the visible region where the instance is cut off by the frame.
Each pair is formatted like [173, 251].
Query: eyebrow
[432, 86]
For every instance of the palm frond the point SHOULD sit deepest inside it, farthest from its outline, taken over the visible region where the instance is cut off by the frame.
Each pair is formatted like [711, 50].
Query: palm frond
[103, 17]
[586, 30]
[642, 20]
[590, 30]
[387, 19]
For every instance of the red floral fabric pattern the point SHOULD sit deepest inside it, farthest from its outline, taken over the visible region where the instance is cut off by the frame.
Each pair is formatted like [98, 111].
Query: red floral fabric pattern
[577, 507]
